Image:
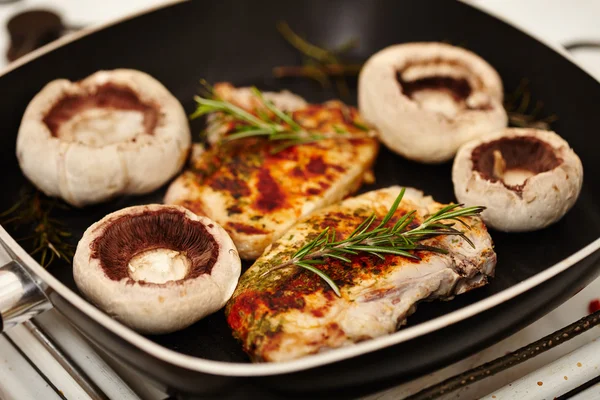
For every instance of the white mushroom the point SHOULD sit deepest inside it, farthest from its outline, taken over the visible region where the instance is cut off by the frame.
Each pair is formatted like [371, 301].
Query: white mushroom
[115, 132]
[527, 178]
[427, 99]
[156, 268]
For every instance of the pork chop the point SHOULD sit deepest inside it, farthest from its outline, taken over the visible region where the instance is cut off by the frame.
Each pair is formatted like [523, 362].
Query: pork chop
[288, 313]
[256, 194]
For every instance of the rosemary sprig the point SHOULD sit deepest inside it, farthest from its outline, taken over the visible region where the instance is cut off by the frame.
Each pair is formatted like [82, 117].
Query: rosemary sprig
[270, 123]
[381, 239]
[319, 64]
[520, 111]
[47, 236]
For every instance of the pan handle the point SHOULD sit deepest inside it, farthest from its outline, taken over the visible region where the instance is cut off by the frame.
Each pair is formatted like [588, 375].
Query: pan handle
[21, 296]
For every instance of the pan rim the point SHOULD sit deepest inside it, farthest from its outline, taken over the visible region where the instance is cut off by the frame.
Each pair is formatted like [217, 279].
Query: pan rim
[247, 369]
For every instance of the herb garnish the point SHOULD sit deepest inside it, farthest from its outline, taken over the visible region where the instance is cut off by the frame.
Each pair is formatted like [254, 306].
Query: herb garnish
[319, 64]
[520, 112]
[381, 239]
[269, 122]
[48, 237]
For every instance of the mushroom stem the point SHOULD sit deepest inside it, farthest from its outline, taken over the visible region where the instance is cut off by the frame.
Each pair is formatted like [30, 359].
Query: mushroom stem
[159, 266]
[499, 165]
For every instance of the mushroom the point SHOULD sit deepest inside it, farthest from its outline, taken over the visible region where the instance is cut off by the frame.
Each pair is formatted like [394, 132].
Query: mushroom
[156, 268]
[115, 132]
[527, 178]
[427, 99]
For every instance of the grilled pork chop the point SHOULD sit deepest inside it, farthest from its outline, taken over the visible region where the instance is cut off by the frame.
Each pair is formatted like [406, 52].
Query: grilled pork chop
[290, 312]
[257, 195]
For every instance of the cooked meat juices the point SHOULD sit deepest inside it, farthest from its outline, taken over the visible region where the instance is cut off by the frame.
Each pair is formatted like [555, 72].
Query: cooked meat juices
[289, 313]
[257, 195]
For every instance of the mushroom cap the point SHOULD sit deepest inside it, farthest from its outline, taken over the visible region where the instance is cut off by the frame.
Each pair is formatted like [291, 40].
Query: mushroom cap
[540, 200]
[447, 97]
[156, 308]
[131, 139]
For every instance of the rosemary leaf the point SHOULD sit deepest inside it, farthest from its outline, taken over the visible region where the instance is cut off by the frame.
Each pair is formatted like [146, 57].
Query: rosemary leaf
[283, 136]
[359, 228]
[393, 208]
[319, 63]
[46, 235]
[340, 257]
[280, 114]
[228, 108]
[403, 222]
[311, 245]
[339, 129]
[360, 126]
[248, 133]
[376, 254]
[314, 262]
[303, 46]
[520, 112]
[321, 274]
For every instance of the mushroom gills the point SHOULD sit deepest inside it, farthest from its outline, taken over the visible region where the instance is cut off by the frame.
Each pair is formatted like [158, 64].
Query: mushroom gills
[111, 114]
[159, 266]
[100, 127]
[441, 94]
[513, 160]
[446, 91]
[526, 178]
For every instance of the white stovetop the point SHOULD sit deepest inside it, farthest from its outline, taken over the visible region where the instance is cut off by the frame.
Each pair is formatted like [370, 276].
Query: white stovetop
[554, 20]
